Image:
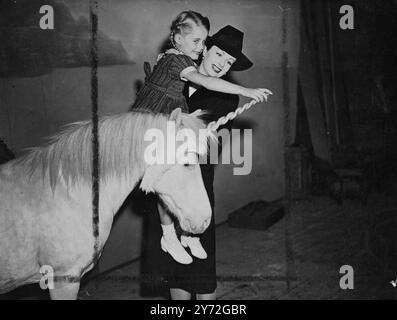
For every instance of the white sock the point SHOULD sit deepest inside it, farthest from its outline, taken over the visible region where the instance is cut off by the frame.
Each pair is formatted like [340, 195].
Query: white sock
[168, 230]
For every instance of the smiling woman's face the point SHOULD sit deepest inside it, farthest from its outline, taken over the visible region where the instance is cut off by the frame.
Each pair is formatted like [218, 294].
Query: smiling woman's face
[216, 62]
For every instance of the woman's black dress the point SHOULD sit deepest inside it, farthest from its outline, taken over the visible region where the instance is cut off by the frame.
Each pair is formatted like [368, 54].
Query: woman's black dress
[159, 270]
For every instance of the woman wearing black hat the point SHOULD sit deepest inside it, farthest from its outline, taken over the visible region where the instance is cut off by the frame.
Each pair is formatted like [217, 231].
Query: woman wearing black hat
[224, 53]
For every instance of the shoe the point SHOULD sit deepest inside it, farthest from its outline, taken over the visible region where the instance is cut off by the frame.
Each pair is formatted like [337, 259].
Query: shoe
[195, 246]
[175, 249]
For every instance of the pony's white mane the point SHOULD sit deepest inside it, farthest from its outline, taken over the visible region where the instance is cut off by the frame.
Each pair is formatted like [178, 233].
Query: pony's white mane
[68, 154]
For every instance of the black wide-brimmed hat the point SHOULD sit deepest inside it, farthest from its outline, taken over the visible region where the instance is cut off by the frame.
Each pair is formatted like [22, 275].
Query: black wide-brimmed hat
[230, 39]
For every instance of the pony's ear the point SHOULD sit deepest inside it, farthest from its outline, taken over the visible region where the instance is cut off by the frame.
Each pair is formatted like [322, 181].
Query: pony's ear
[176, 116]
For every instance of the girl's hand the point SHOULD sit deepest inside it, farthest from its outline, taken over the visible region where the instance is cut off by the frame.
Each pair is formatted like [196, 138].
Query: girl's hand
[259, 95]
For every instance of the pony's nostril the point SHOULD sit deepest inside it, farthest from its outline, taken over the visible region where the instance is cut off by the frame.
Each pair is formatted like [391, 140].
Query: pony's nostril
[206, 223]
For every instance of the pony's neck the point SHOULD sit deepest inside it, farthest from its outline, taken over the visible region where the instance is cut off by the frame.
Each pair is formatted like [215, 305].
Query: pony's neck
[114, 191]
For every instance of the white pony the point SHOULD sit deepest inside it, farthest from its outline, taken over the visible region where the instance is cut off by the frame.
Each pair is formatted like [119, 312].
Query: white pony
[46, 211]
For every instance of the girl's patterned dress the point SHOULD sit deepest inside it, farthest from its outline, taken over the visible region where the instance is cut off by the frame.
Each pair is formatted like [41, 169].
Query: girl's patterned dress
[162, 91]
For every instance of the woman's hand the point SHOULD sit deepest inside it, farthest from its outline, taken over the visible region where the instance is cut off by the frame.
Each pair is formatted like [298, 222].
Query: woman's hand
[172, 50]
[259, 95]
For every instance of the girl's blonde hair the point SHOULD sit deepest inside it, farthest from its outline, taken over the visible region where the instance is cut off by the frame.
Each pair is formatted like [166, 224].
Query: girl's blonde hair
[183, 24]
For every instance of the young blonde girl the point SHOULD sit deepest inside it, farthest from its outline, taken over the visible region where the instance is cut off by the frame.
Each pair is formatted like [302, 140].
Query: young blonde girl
[162, 93]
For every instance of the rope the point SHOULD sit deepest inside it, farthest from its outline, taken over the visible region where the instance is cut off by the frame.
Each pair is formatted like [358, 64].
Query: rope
[95, 139]
[289, 257]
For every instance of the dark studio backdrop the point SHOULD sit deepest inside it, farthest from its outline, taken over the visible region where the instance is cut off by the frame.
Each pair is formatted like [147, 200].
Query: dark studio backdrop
[340, 86]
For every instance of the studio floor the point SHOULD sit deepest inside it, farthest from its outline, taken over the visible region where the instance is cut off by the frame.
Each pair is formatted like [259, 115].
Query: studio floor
[251, 264]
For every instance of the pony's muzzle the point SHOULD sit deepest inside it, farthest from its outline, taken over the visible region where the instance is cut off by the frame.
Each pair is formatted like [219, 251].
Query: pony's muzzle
[207, 223]
[195, 228]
